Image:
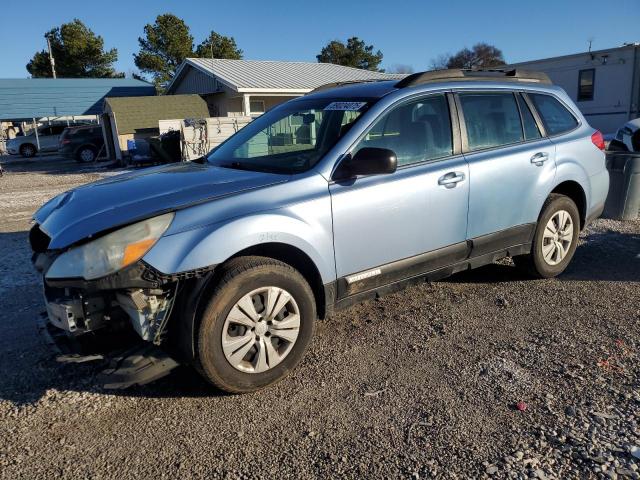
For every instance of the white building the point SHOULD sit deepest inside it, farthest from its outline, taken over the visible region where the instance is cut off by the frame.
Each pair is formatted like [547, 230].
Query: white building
[605, 84]
[250, 87]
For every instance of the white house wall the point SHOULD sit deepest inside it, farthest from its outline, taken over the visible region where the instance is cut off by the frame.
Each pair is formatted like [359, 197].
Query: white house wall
[222, 100]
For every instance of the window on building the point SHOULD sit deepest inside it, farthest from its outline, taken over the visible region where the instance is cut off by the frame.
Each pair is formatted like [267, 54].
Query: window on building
[256, 107]
[492, 119]
[586, 80]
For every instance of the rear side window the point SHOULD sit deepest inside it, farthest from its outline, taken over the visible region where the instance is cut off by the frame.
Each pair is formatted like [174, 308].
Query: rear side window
[492, 119]
[531, 130]
[555, 116]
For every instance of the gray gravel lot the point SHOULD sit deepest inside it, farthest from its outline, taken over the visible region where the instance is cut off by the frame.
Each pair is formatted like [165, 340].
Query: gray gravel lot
[419, 384]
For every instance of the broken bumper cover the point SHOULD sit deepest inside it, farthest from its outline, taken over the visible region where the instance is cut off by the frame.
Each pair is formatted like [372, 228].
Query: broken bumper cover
[137, 293]
[128, 311]
[123, 361]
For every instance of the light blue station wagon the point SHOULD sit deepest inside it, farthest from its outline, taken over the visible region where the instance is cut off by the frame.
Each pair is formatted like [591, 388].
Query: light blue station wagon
[329, 199]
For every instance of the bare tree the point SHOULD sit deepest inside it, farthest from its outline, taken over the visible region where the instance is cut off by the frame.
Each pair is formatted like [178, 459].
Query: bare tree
[480, 56]
[440, 62]
[400, 68]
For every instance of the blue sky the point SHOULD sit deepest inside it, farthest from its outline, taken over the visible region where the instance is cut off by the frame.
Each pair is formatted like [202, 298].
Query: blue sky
[410, 32]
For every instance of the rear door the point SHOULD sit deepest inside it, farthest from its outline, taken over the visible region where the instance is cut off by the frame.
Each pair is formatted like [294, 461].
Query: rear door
[389, 227]
[511, 167]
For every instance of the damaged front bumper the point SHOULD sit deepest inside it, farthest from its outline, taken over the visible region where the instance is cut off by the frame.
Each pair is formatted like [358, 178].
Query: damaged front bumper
[137, 296]
[148, 317]
[100, 321]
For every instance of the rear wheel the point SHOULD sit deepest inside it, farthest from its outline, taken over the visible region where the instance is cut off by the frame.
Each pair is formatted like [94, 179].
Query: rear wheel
[555, 239]
[257, 324]
[86, 154]
[27, 150]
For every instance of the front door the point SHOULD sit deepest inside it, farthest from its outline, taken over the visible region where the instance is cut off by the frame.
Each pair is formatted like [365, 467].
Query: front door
[511, 165]
[389, 227]
[49, 137]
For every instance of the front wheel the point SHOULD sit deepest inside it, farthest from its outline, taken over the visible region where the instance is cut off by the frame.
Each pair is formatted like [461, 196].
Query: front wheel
[257, 325]
[555, 239]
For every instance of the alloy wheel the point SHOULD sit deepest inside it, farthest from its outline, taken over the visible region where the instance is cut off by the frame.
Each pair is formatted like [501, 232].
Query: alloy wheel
[261, 329]
[87, 155]
[557, 237]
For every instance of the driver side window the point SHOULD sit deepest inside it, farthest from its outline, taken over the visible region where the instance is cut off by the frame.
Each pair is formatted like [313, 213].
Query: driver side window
[416, 132]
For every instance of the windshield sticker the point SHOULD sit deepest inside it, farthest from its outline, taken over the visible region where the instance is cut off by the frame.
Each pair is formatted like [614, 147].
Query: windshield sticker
[345, 106]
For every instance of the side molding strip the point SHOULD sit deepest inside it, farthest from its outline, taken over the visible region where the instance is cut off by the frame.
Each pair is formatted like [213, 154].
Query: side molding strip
[474, 252]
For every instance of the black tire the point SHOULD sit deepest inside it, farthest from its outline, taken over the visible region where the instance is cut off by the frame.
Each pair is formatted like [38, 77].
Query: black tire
[86, 154]
[534, 263]
[27, 150]
[239, 277]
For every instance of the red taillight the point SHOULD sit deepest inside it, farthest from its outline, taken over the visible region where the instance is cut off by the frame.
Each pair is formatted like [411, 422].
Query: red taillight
[598, 139]
[65, 141]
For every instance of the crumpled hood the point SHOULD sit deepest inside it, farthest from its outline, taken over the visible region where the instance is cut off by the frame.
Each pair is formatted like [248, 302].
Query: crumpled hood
[124, 199]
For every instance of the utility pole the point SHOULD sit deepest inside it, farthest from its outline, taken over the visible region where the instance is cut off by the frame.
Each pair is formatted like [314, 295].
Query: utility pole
[53, 62]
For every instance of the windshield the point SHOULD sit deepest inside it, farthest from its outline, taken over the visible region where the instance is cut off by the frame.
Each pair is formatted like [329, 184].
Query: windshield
[290, 138]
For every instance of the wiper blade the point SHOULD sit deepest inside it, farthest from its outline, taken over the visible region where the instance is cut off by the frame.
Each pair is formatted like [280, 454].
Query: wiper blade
[237, 166]
[252, 167]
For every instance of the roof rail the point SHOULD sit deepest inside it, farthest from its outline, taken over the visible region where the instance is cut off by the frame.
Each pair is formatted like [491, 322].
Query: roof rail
[327, 86]
[511, 75]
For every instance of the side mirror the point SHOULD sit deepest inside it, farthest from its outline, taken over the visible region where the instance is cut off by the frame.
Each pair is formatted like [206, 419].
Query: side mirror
[367, 161]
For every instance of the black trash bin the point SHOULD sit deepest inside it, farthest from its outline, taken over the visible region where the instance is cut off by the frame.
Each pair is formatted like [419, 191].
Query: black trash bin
[623, 200]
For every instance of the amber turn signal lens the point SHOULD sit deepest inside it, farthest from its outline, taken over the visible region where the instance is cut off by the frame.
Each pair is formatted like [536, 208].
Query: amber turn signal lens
[134, 251]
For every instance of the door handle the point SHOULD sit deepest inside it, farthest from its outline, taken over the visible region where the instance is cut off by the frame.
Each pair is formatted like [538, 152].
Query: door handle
[539, 158]
[451, 179]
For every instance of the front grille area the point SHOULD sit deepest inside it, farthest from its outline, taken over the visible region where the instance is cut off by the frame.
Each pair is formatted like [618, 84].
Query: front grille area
[38, 240]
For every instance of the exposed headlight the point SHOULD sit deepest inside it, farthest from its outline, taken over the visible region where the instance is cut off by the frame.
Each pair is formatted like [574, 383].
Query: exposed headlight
[112, 252]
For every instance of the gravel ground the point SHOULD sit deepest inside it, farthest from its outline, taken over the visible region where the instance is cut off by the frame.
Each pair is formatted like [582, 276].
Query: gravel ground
[486, 374]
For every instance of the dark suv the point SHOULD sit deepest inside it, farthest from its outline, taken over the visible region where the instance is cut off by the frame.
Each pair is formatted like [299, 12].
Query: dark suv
[82, 143]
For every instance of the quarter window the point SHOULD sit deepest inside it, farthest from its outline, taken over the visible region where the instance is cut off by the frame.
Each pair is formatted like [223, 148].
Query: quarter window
[531, 130]
[586, 80]
[555, 116]
[416, 131]
[491, 119]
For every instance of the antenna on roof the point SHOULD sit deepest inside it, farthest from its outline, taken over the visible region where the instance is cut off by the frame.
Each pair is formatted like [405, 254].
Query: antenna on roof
[590, 40]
